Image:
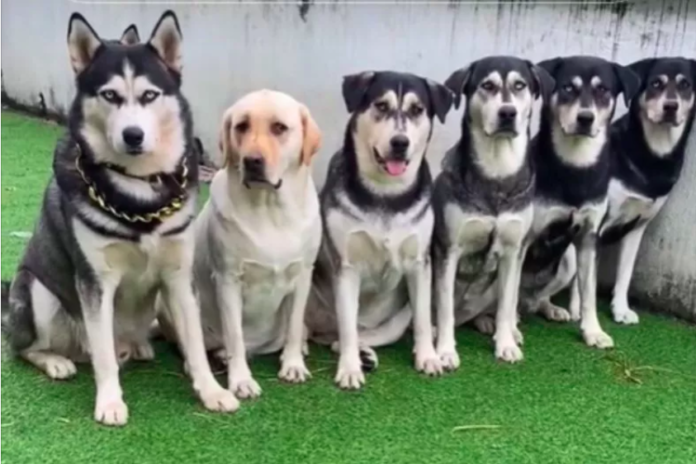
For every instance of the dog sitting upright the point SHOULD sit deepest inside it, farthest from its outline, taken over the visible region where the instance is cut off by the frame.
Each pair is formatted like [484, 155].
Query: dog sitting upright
[648, 147]
[572, 153]
[258, 236]
[115, 226]
[483, 202]
[373, 273]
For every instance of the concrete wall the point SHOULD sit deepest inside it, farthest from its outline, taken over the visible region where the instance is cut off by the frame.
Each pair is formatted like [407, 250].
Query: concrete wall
[305, 48]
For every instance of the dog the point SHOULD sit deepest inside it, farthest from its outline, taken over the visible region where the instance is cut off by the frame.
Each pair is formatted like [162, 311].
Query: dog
[572, 158]
[258, 236]
[648, 146]
[115, 225]
[373, 274]
[483, 202]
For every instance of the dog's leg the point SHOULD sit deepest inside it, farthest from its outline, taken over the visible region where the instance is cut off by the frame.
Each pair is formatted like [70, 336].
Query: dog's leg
[349, 374]
[293, 368]
[564, 277]
[574, 299]
[506, 346]
[587, 279]
[184, 313]
[419, 282]
[628, 252]
[97, 301]
[445, 269]
[228, 291]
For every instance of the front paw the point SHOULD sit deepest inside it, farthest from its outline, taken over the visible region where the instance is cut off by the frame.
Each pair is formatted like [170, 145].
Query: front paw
[143, 352]
[112, 412]
[294, 370]
[555, 313]
[218, 399]
[597, 339]
[350, 375]
[428, 361]
[449, 359]
[625, 315]
[507, 349]
[485, 324]
[245, 387]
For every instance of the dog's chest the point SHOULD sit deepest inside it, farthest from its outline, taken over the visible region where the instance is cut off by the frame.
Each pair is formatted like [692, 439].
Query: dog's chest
[561, 219]
[627, 206]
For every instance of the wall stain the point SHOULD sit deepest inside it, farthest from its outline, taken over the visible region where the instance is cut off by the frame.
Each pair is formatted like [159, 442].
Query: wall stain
[304, 7]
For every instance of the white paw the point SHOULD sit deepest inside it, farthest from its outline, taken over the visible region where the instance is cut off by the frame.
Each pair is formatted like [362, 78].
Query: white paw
[485, 325]
[598, 339]
[219, 399]
[350, 375]
[294, 371]
[517, 336]
[143, 352]
[449, 359]
[428, 362]
[113, 412]
[221, 355]
[556, 313]
[508, 352]
[245, 387]
[59, 368]
[626, 316]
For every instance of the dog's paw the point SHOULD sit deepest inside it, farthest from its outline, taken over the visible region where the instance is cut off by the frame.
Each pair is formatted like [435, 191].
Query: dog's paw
[626, 316]
[428, 362]
[449, 359]
[485, 324]
[555, 313]
[114, 412]
[597, 339]
[294, 371]
[245, 387]
[350, 374]
[220, 400]
[508, 352]
[517, 336]
[59, 368]
[143, 352]
[368, 359]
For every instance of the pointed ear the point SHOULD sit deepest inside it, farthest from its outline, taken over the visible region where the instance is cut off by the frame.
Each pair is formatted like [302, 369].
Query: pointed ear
[458, 81]
[441, 99]
[224, 141]
[354, 88]
[311, 139]
[166, 40]
[83, 42]
[130, 36]
[629, 80]
[544, 83]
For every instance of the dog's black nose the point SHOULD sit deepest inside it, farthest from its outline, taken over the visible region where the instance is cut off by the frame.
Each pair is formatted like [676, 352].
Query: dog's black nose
[133, 136]
[254, 164]
[507, 113]
[670, 107]
[399, 143]
[585, 118]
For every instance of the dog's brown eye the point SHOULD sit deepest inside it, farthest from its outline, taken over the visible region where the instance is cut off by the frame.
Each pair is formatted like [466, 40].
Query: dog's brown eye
[488, 86]
[278, 128]
[241, 127]
[416, 110]
[109, 95]
[149, 96]
[519, 85]
[382, 107]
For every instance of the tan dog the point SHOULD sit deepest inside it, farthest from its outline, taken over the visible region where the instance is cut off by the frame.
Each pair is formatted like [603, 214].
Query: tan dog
[258, 236]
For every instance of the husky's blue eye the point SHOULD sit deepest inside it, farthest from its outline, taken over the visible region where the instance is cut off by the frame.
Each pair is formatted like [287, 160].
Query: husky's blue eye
[110, 96]
[148, 96]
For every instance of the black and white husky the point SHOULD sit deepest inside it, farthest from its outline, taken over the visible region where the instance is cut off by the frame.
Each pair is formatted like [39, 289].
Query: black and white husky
[483, 202]
[115, 226]
[648, 146]
[373, 274]
[572, 159]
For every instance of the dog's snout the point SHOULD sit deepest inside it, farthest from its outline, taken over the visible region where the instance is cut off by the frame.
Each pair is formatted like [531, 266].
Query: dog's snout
[399, 143]
[507, 113]
[670, 107]
[133, 136]
[585, 118]
[254, 164]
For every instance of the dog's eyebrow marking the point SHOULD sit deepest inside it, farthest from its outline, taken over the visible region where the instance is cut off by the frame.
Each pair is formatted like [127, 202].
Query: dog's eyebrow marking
[679, 77]
[664, 78]
[576, 81]
[493, 77]
[595, 81]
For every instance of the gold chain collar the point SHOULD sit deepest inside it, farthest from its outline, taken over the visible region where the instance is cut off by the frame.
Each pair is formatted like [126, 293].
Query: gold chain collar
[164, 212]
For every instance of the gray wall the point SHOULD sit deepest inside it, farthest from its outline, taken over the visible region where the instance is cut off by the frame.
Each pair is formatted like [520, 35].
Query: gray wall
[232, 49]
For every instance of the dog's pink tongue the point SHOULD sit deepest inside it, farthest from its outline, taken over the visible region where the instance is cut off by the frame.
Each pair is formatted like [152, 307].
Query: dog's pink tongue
[395, 168]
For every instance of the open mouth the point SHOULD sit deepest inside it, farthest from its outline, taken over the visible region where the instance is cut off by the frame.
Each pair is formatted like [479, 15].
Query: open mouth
[392, 166]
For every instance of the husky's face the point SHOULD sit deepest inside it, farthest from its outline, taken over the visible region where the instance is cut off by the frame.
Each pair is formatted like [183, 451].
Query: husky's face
[500, 93]
[585, 94]
[392, 120]
[267, 134]
[128, 98]
[667, 93]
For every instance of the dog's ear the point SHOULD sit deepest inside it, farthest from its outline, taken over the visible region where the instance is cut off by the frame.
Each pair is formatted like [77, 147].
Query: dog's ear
[83, 42]
[166, 40]
[441, 99]
[311, 139]
[544, 84]
[224, 141]
[130, 36]
[354, 88]
[693, 69]
[642, 67]
[550, 65]
[629, 80]
[458, 81]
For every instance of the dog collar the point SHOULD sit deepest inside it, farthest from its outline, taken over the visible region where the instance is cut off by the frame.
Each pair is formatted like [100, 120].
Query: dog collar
[179, 177]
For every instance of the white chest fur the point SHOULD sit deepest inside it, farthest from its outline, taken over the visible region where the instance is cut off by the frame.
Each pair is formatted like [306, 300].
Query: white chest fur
[587, 217]
[626, 205]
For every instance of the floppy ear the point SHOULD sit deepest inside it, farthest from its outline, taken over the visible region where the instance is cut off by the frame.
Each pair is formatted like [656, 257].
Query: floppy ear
[166, 40]
[83, 42]
[630, 82]
[224, 145]
[311, 139]
[130, 36]
[441, 99]
[544, 83]
[551, 65]
[354, 88]
[457, 81]
[642, 67]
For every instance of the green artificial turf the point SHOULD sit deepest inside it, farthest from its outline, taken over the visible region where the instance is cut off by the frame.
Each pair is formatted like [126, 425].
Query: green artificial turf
[565, 403]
